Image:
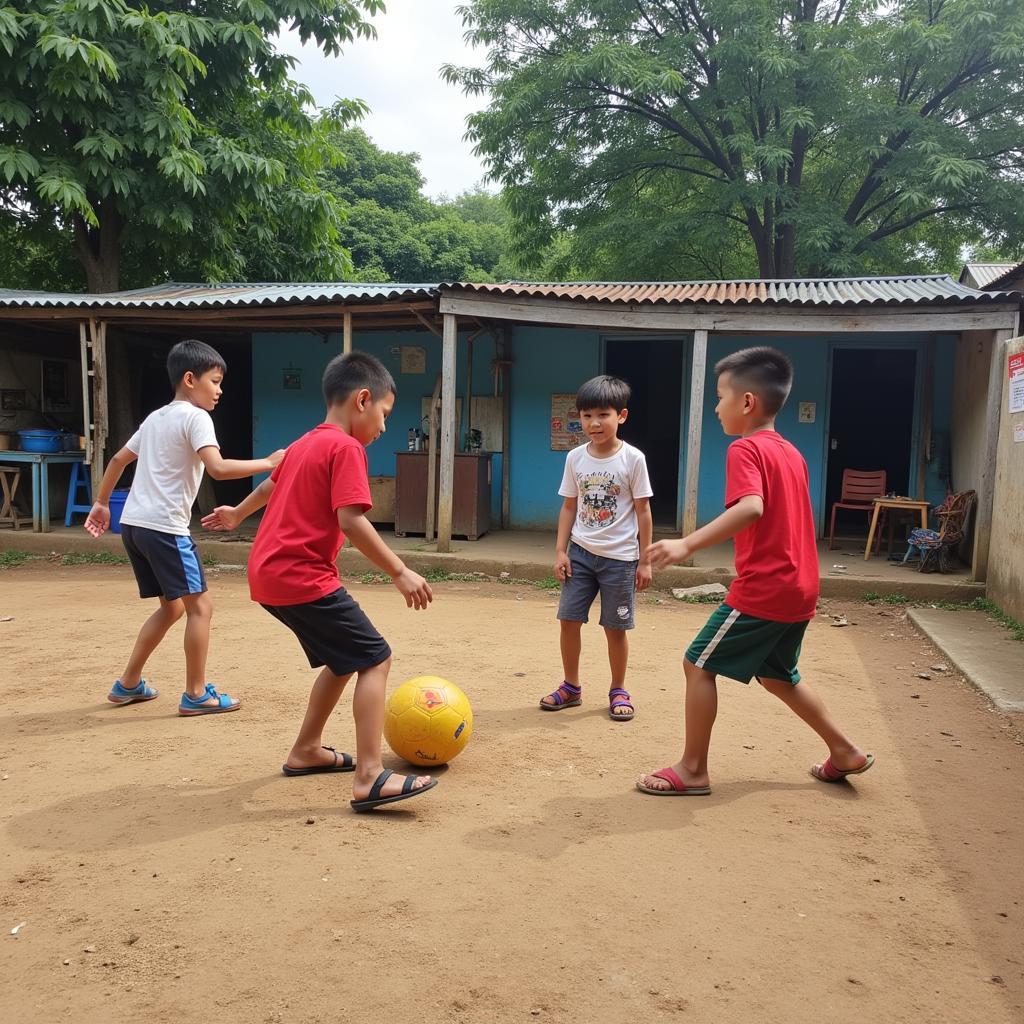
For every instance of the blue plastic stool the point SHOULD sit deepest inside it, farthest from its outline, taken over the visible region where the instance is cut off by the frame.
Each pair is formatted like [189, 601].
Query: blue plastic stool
[79, 482]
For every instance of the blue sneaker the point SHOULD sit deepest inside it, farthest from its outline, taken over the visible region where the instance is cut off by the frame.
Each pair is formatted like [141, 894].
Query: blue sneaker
[121, 695]
[190, 706]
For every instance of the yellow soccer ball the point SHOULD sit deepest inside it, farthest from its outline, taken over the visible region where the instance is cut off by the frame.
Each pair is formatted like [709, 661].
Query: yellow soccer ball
[428, 721]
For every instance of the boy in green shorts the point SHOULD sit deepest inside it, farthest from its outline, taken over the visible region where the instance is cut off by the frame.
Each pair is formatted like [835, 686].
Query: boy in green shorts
[759, 629]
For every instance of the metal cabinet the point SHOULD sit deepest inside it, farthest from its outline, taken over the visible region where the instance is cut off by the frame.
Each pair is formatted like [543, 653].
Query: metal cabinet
[471, 497]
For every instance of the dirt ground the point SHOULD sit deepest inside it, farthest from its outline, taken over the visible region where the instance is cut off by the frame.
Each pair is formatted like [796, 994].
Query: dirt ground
[165, 870]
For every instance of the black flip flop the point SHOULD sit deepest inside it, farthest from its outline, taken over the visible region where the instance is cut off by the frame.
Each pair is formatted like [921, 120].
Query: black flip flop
[347, 765]
[376, 800]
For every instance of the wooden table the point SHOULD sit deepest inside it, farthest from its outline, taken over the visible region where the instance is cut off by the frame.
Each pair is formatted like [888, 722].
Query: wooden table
[40, 463]
[894, 504]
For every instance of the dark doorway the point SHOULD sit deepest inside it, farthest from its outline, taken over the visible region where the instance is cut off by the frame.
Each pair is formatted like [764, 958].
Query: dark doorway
[654, 369]
[871, 422]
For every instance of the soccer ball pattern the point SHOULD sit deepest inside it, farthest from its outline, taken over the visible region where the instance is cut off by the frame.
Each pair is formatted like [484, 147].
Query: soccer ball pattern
[428, 721]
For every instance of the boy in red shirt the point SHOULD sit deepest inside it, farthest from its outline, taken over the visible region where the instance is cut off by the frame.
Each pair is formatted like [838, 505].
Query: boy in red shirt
[760, 627]
[317, 496]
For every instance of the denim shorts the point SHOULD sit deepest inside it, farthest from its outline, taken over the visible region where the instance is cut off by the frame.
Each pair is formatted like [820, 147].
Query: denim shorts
[614, 579]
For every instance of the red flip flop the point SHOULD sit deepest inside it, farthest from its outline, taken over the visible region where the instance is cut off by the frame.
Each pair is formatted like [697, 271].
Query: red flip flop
[679, 788]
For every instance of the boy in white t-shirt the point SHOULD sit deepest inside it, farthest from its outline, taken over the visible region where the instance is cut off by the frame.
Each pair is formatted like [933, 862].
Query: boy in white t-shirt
[604, 536]
[173, 446]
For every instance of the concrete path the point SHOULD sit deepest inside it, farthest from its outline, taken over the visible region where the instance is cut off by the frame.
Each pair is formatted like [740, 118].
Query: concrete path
[981, 649]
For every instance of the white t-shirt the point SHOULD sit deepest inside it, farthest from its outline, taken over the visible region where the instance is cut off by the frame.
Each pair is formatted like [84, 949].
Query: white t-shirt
[605, 489]
[169, 470]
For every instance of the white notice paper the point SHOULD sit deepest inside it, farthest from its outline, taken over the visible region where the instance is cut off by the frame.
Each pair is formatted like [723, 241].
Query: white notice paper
[1017, 393]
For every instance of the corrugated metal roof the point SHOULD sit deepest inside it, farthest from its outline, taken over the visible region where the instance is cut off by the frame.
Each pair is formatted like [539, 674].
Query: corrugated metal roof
[937, 289]
[985, 273]
[1012, 279]
[221, 296]
[932, 289]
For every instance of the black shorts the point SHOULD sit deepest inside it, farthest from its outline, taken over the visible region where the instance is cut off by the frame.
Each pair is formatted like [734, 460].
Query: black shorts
[334, 631]
[165, 564]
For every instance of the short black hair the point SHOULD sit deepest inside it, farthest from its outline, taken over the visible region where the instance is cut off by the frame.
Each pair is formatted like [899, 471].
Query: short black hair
[352, 371]
[604, 392]
[192, 356]
[765, 372]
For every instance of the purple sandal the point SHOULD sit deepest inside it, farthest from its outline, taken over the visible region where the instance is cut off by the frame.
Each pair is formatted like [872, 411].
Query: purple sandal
[618, 698]
[566, 696]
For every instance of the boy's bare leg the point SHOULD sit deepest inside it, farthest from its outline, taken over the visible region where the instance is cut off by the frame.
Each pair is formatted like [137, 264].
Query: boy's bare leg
[618, 654]
[806, 704]
[701, 712]
[308, 749]
[199, 609]
[571, 643]
[153, 630]
[618, 659]
[368, 711]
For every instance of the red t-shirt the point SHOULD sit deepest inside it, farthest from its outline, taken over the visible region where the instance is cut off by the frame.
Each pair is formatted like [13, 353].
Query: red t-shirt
[776, 557]
[293, 559]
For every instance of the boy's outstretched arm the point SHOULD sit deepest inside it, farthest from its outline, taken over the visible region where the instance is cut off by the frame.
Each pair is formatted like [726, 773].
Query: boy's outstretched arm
[228, 517]
[234, 469]
[365, 539]
[737, 517]
[98, 520]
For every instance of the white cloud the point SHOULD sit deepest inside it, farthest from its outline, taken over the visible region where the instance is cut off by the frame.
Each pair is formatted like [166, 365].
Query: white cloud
[398, 75]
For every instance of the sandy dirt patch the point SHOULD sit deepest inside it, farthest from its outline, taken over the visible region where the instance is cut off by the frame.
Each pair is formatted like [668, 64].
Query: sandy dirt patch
[167, 872]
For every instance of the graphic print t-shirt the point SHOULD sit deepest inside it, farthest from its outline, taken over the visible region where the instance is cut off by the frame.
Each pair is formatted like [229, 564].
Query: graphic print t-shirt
[604, 490]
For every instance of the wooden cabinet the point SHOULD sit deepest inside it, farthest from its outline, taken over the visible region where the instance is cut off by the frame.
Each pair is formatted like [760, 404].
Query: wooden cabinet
[471, 497]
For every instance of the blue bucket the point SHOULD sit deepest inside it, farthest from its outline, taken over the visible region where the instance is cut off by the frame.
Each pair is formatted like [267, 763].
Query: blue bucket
[117, 500]
[41, 440]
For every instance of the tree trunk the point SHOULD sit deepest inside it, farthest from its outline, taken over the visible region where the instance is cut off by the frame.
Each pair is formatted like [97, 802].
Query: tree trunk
[99, 248]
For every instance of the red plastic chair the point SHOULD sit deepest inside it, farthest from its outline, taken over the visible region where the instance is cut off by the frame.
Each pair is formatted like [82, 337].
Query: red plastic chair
[860, 488]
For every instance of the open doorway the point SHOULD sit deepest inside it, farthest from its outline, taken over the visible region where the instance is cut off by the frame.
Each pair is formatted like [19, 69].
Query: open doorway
[871, 423]
[654, 369]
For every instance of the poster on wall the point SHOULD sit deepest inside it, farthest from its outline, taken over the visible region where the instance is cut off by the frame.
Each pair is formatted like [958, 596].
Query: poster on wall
[1016, 370]
[566, 428]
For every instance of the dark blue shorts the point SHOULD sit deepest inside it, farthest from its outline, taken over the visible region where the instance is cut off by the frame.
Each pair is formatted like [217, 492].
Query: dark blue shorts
[593, 574]
[334, 631]
[165, 565]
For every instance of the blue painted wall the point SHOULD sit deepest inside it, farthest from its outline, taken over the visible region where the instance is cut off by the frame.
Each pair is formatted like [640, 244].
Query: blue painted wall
[550, 360]
[280, 415]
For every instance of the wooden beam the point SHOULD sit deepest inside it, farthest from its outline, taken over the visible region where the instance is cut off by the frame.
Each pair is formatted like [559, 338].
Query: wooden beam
[813, 320]
[503, 346]
[83, 346]
[98, 343]
[448, 428]
[986, 487]
[467, 405]
[698, 371]
[429, 324]
[346, 332]
[434, 425]
[924, 446]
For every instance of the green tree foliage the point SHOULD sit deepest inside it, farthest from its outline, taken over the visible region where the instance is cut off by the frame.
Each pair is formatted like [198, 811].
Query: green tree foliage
[395, 233]
[705, 137]
[148, 136]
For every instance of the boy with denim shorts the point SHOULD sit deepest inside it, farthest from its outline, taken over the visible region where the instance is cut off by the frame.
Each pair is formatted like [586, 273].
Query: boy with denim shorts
[604, 533]
[317, 497]
[172, 448]
[759, 629]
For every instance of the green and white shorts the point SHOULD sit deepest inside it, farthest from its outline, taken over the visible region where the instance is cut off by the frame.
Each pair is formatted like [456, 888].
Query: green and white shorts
[741, 647]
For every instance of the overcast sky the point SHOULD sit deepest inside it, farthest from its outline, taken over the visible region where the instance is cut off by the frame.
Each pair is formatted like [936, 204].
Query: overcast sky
[411, 108]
